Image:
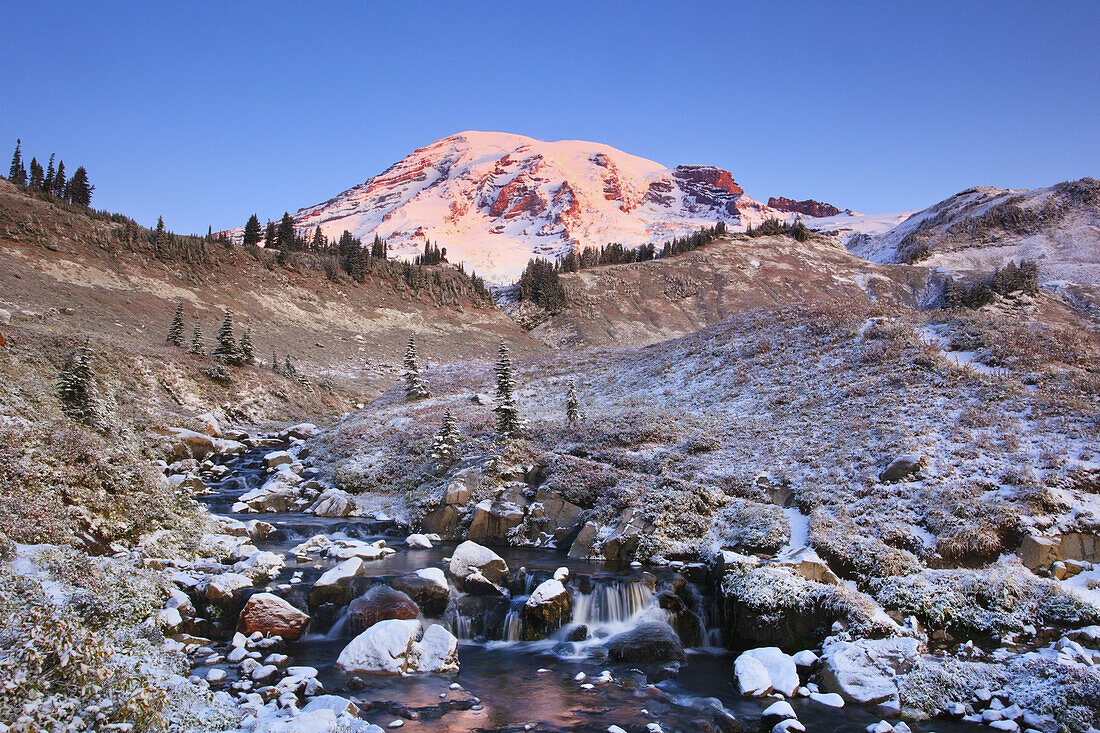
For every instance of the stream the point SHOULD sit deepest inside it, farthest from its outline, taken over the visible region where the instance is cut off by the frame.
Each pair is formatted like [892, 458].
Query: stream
[506, 683]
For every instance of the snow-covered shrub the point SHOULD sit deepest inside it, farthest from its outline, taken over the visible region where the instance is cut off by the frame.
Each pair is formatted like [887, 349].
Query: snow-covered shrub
[581, 481]
[841, 542]
[107, 593]
[680, 514]
[1070, 695]
[936, 682]
[997, 599]
[749, 526]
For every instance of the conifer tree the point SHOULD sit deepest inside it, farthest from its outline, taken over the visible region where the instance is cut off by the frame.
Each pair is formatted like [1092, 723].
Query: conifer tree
[197, 346]
[573, 412]
[252, 231]
[275, 362]
[445, 442]
[51, 172]
[319, 241]
[509, 423]
[226, 350]
[76, 387]
[288, 368]
[161, 239]
[415, 389]
[37, 174]
[79, 190]
[59, 181]
[17, 174]
[284, 235]
[175, 331]
[245, 348]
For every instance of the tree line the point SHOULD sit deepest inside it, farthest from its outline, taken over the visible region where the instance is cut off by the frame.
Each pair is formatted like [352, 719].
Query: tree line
[50, 181]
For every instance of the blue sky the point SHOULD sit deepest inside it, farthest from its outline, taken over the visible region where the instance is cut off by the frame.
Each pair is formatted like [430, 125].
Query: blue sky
[207, 112]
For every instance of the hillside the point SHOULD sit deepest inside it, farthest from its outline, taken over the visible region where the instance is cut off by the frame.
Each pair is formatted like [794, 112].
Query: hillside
[646, 302]
[70, 273]
[983, 228]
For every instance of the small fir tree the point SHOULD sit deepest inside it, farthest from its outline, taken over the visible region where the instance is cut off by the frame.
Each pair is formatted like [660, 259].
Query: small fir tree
[573, 412]
[275, 362]
[252, 231]
[51, 173]
[37, 175]
[415, 389]
[445, 443]
[284, 235]
[197, 346]
[17, 174]
[59, 181]
[245, 348]
[509, 422]
[226, 350]
[175, 331]
[76, 387]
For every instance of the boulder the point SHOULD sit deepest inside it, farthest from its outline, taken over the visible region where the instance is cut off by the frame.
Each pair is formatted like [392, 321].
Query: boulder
[585, 539]
[752, 677]
[493, 520]
[546, 610]
[332, 586]
[650, 642]
[259, 530]
[428, 588]
[1038, 551]
[470, 558]
[780, 667]
[272, 616]
[278, 458]
[333, 503]
[864, 671]
[393, 647]
[901, 468]
[379, 604]
[223, 589]
[418, 542]
[338, 705]
[301, 431]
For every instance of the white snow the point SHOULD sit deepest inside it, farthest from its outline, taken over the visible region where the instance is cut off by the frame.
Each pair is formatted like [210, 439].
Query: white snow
[546, 591]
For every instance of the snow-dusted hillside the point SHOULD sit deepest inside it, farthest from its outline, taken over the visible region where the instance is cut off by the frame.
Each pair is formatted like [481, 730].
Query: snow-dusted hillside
[495, 199]
[983, 228]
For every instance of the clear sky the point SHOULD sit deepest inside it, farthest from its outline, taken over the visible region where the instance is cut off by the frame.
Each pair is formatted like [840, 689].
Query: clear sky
[207, 112]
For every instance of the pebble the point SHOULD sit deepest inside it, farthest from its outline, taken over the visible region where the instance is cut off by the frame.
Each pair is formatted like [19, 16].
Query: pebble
[456, 686]
[615, 729]
[654, 728]
[264, 672]
[880, 727]
[237, 655]
[588, 686]
[215, 675]
[396, 723]
[579, 677]
[830, 699]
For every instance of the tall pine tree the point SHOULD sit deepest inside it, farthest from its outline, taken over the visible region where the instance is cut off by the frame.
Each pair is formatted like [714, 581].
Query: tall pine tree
[415, 389]
[175, 331]
[37, 174]
[79, 190]
[58, 189]
[17, 174]
[509, 422]
[284, 235]
[51, 172]
[247, 351]
[226, 349]
[197, 346]
[252, 231]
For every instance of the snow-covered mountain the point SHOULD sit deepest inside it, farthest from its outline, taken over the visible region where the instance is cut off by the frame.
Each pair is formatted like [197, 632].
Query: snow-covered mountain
[983, 228]
[496, 199]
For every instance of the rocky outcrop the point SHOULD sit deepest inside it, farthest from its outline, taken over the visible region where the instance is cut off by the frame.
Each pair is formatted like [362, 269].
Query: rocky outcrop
[1041, 552]
[272, 616]
[809, 207]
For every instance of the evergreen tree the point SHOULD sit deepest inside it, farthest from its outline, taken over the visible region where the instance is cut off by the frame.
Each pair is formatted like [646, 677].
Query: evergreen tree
[175, 331]
[17, 174]
[37, 175]
[415, 389]
[226, 350]
[357, 264]
[252, 231]
[51, 172]
[275, 362]
[197, 346]
[288, 368]
[76, 387]
[78, 190]
[269, 235]
[59, 181]
[247, 352]
[319, 241]
[445, 442]
[573, 412]
[509, 423]
[284, 235]
[161, 239]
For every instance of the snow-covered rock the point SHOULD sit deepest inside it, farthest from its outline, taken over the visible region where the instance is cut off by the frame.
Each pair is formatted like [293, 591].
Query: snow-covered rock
[393, 647]
[830, 699]
[752, 676]
[271, 615]
[418, 541]
[333, 503]
[437, 651]
[780, 709]
[278, 458]
[223, 588]
[470, 558]
[779, 668]
[864, 671]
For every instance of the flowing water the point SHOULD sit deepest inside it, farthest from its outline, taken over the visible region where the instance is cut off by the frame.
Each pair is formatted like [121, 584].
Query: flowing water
[514, 685]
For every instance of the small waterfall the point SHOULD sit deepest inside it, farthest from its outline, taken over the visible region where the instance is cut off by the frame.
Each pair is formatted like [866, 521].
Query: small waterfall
[456, 623]
[513, 623]
[616, 606]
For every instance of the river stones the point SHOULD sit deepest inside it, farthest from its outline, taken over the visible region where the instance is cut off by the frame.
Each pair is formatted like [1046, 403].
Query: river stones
[223, 589]
[428, 588]
[395, 646]
[864, 671]
[333, 585]
[546, 610]
[418, 542]
[272, 616]
[650, 642]
[277, 458]
[379, 604]
[477, 569]
[333, 503]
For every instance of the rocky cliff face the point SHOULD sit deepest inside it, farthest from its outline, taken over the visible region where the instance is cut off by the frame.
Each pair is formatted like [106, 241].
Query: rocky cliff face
[809, 207]
[495, 200]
